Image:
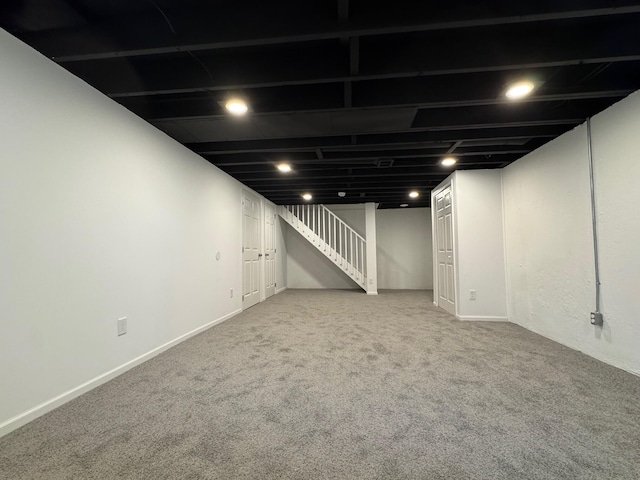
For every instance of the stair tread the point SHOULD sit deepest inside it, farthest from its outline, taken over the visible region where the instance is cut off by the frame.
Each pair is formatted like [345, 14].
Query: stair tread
[325, 247]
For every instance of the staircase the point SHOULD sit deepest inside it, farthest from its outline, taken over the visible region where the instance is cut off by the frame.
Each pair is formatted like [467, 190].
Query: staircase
[330, 235]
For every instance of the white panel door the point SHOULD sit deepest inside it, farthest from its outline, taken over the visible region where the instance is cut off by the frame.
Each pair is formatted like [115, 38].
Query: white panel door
[269, 250]
[250, 250]
[444, 240]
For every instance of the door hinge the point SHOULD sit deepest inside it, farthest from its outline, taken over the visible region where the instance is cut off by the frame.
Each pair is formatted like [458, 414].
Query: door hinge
[242, 249]
[243, 298]
[275, 250]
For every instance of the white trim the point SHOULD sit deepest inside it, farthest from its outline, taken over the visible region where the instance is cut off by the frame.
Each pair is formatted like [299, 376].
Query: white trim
[280, 290]
[372, 293]
[35, 412]
[476, 318]
[456, 238]
[449, 182]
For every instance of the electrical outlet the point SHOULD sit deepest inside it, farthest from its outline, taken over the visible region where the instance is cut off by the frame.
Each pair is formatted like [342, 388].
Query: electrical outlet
[472, 294]
[122, 326]
[231, 293]
[597, 319]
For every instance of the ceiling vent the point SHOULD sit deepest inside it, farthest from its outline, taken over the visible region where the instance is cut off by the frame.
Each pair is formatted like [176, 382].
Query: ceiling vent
[384, 162]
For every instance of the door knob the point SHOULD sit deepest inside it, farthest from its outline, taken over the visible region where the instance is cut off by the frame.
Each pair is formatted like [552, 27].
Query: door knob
[259, 255]
[266, 254]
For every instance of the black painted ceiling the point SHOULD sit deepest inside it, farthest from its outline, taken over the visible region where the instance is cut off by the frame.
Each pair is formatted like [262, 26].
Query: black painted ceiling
[358, 96]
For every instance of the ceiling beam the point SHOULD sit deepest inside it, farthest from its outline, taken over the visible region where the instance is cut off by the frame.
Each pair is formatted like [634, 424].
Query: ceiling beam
[365, 188]
[348, 183]
[452, 124]
[343, 11]
[461, 103]
[376, 140]
[365, 160]
[454, 146]
[354, 70]
[305, 33]
[345, 176]
[246, 84]
[303, 169]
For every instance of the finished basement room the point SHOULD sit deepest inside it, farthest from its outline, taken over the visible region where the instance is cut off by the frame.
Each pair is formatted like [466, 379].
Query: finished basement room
[319, 240]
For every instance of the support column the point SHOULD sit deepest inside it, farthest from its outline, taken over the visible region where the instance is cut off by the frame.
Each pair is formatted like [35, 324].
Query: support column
[372, 260]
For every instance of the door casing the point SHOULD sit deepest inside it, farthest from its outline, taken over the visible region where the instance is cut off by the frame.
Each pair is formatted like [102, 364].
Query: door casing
[444, 240]
[270, 252]
[251, 249]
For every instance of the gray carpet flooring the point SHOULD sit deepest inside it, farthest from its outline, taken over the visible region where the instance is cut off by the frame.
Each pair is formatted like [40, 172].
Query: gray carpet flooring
[340, 385]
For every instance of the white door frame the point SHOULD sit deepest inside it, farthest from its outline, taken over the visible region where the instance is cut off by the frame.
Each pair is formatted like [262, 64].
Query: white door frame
[260, 276]
[270, 255]
[448, 183]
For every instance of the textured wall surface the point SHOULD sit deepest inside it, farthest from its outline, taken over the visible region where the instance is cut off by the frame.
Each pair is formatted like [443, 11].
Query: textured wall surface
[550, 262]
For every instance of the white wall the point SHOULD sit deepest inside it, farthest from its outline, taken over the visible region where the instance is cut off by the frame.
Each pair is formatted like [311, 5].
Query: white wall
[404, 259]
[549, 239]
[309, 268]
[101, 216]
[479, 247]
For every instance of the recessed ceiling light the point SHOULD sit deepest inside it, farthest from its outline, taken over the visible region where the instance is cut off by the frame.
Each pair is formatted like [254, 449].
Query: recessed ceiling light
[284, 167]
[235, 106]
[404, 205]
[414, 194]
[307, 196]
[342, 194]
[447, 162]
[519, 90]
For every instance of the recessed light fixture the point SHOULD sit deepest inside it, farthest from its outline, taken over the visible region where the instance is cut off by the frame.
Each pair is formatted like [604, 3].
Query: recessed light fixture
[307, 196]
[236, 106]
[404, 205]
[414, 194]
[520, 90]
[284, 167]
[448, 162]
[342, 194]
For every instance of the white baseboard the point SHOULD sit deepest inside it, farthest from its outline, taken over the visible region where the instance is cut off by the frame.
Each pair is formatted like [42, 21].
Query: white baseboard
[280, 290]
[372, 293]
[35, 412]
[474, 318]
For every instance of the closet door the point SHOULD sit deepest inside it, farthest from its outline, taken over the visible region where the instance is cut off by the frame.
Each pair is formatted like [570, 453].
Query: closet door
[444, 242]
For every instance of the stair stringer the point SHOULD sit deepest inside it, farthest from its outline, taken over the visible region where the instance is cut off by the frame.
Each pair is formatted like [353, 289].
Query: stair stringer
[331, 252]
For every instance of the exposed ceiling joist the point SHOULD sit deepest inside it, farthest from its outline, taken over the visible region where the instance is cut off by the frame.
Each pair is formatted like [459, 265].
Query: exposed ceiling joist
[354, 97]
[252, 81]
[309, 34]
[379, 141]
[461, 103]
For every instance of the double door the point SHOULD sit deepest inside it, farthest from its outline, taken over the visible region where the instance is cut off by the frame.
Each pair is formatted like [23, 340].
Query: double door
[258, 253]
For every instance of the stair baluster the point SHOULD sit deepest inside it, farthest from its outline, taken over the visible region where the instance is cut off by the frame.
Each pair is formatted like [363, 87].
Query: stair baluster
[330, 235]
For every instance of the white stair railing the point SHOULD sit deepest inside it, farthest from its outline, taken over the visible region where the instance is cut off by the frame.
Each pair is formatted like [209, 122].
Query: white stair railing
[333, 237]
